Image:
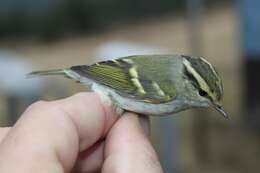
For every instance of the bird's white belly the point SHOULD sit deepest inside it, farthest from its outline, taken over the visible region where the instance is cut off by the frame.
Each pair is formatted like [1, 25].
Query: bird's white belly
[135, 105]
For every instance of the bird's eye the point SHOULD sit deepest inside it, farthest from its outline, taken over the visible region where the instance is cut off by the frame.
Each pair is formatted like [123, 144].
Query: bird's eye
[202, 93]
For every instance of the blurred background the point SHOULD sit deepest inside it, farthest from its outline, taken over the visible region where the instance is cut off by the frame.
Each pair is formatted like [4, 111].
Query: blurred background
[47, 34]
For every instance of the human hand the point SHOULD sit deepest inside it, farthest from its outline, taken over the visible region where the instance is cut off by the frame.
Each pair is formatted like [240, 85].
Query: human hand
[76, 134]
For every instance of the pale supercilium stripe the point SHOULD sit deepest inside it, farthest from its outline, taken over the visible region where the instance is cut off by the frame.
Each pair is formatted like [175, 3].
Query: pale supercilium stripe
[203, 85]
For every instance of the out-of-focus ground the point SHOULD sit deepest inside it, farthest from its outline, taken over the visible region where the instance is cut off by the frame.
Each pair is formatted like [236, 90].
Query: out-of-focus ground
[231, 148]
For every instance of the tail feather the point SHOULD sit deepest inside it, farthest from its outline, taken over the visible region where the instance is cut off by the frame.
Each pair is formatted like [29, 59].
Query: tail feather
[45, 73]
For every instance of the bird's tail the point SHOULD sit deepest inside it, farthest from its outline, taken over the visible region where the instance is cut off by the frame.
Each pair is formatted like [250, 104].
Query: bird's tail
[45, 73]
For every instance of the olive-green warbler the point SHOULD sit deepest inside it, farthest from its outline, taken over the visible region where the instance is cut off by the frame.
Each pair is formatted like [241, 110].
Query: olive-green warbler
[151, 84]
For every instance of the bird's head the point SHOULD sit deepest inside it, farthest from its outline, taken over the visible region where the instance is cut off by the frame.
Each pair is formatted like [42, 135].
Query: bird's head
[204, 83]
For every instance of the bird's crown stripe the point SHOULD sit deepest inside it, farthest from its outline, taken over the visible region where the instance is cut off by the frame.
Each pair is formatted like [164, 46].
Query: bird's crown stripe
[202, 83]
[214, 71]
[210, 66]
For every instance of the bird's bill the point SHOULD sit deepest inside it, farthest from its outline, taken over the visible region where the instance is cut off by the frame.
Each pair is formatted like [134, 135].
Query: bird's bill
[221, 110]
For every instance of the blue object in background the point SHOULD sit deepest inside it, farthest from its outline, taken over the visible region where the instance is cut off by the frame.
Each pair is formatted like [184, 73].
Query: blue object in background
[250, 15]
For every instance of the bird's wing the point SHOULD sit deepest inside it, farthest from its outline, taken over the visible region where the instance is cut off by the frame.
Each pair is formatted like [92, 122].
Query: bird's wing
[122, 76]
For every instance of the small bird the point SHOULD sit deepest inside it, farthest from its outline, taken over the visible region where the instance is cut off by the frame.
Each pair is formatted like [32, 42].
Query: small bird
[151, 84]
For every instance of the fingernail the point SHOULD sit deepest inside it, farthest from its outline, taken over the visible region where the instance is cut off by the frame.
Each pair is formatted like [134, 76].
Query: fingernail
[145, 124]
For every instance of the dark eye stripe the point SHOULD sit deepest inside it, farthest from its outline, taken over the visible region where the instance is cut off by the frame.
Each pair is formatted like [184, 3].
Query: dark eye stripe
[195, 83]
[208, 73]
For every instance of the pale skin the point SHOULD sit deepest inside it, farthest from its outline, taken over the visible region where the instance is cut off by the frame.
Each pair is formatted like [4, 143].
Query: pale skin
[77, 134]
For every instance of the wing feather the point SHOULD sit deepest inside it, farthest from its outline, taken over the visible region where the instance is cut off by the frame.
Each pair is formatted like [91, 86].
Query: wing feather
[122, 76]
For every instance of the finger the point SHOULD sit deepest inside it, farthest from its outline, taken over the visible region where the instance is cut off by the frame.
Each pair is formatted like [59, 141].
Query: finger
[49, 135]
[91, 117]
[128, 148]
[92, 159]
[3, 132]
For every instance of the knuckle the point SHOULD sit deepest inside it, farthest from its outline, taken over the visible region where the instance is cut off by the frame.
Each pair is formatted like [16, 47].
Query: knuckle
[81, 94]
[86, 96]
[37, 105]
